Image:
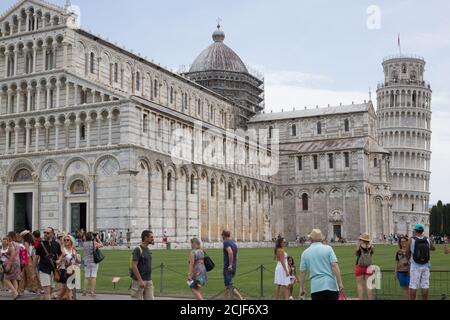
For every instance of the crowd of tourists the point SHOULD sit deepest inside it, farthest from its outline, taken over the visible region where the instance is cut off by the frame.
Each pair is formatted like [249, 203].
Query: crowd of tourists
[41, 264]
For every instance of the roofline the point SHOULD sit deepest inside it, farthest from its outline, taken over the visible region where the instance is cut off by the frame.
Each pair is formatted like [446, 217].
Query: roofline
[46, 4]
[261, 81]
[153, 65]
[305, 117]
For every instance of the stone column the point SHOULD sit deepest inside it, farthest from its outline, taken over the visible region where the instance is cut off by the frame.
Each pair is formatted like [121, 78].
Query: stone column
[58, 91]
[47, 126]
[34, 57]
[27, 137]
[48, 86]
[65, 45]
[28, 98]
[18, 92]
[6, 63]
[16, 139]
[44, 57]
[1, 101]
[67, 125]
[8, 131]
[57, 125]
[67, 93]
[16, 51]
[9, 108]
[99, 123]
[38, 96]
[36, 147]
[110, 129]
[55, 52]
[77, 132]
[88, 132]
[75, 97]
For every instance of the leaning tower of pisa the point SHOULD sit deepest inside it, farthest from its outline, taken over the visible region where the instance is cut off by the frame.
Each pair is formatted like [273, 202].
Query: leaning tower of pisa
[404, 128]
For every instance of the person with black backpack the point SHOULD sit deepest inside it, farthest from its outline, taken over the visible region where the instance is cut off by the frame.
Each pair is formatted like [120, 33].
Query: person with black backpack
[141, 269]
[419, 251]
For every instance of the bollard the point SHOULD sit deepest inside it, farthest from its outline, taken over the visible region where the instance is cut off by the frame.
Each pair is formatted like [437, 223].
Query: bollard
[161, 278]
[262, 281]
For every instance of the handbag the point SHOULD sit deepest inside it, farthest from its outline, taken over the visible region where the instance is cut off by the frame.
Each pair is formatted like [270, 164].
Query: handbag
[209, 264]
[97, 254]
[342, 295]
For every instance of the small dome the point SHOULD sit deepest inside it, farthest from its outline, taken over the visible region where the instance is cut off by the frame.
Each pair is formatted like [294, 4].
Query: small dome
[218, 56]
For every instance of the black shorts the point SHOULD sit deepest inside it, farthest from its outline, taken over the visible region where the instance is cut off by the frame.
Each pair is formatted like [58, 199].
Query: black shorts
[325, 295]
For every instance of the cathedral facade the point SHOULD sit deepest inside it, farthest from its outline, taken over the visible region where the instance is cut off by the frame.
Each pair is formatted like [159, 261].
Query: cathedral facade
[95, 137]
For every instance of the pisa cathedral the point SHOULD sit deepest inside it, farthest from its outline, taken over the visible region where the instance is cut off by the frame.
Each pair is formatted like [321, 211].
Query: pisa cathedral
[88, 132]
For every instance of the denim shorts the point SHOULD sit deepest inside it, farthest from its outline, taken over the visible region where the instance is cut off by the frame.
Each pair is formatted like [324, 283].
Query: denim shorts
[403, 278]
[228, 277]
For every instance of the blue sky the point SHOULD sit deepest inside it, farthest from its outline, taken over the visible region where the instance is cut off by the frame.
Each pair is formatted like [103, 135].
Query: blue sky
[310, 52]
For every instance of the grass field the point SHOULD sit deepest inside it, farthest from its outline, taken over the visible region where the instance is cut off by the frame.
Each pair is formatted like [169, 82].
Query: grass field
[248, 278]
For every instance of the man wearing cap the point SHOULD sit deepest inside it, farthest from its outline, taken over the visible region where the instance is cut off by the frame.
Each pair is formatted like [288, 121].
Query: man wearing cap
[321, 263]
[419, 251]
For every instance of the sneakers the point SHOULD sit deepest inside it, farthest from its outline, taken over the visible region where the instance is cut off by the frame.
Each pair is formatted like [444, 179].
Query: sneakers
[291, 298]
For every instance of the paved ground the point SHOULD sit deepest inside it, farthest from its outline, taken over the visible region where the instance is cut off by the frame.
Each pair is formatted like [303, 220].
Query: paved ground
[6, 296]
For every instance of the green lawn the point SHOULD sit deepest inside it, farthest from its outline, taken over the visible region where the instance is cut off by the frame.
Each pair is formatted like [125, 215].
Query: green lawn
[248, 278]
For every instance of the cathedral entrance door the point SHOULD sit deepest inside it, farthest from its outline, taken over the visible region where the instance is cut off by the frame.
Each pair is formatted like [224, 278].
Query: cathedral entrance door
[23, 211]
[78, 216]
[337, 231]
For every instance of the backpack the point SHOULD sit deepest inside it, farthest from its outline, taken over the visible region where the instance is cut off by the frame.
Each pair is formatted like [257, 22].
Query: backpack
[365, 257]
[209, 264]
[131, 260]
[421, 254]
[24, 259]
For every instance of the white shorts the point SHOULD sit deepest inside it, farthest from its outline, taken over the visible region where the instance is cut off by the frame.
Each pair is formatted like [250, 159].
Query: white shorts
[420, 277]
[46, 279]
[91, 270]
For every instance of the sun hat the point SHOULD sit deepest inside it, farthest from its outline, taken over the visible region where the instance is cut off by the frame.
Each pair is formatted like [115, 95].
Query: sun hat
[364, 237]
[316, 235]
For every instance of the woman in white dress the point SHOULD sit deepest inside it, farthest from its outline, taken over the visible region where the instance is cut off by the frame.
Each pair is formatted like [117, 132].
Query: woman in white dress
[282, 274]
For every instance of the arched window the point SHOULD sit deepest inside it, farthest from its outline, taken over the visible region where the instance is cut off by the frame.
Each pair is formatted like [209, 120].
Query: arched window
[294, 130]
[185, 101]
[192, 184]
[199, 110]
[404, 68]
[138, 81]
[245, 193]
[169, 181]
[259, 197]
[116, 72]
[171, 95]
[271, 198]
[159, 128]
[213, 188]
[83, 132]
[305, 202]
[230, 191]
[92, 63]
[319, 127]
[347, 125]
[270, 132]
[155, 88]
[145, 123]
[375, 162]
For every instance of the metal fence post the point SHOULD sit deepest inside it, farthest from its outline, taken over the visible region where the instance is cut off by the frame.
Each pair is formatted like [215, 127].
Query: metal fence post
[262, 281]
[161, 278]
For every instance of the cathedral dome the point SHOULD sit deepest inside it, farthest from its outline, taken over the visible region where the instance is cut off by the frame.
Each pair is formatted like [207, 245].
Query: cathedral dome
[218, 56]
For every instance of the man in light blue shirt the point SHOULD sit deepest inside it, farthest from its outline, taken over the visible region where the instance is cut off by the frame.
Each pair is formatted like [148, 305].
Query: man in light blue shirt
[321, 263]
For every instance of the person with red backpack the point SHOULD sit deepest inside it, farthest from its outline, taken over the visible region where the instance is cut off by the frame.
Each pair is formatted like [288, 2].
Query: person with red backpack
[419, 252]
[28, 264]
